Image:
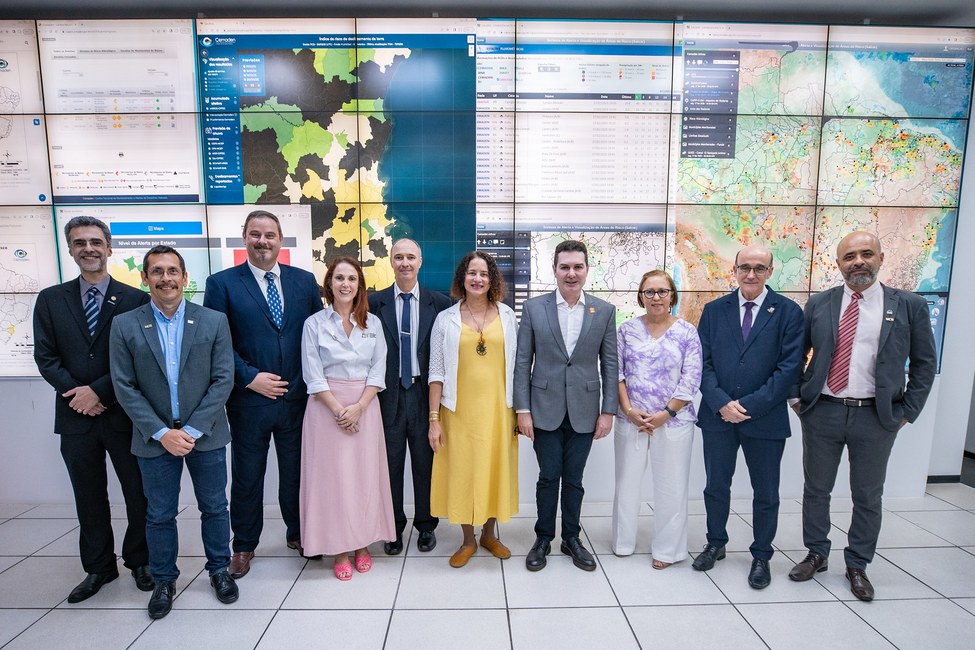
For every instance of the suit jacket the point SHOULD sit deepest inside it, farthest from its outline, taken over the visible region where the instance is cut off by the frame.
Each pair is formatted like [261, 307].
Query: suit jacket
[259, 346]
[206, 377]
[759, 372]
[904, 334]
[68, 356]
[383, 304]
[549, 382]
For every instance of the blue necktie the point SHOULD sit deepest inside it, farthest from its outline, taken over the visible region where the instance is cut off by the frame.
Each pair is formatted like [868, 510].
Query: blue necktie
[405, 344]
[746, 322]
[274, 300]
[91, 310]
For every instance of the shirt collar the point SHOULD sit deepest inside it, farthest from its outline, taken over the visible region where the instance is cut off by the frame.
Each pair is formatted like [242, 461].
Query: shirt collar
[161, 317]
[259, 273]
[102, 285]
[560, 299]
[758, 300]
[870, 293]
[415, 291]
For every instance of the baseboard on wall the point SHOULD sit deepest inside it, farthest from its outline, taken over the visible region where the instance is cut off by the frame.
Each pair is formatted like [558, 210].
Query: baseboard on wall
[945, 478]
[969, 454]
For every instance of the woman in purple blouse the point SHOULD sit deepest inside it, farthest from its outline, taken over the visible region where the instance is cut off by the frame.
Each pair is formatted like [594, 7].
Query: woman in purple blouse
[660, 372]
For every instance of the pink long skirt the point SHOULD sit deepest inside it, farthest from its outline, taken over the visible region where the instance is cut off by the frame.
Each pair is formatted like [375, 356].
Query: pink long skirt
[345, 497]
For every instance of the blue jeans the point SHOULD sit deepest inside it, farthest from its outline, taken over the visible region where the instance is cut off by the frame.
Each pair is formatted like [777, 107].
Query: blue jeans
[160, 480]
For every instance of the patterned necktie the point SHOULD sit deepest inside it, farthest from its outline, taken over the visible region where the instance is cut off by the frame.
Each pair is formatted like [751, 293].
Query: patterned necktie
[406, 343]
[746, 322]
[91, 309]
[274, 300]
[839, 368]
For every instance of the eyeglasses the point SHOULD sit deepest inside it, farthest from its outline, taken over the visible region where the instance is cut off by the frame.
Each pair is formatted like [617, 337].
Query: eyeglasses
[650, 293]
[760, 269]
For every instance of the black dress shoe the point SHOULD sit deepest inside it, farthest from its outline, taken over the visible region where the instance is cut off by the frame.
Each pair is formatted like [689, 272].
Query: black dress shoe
[580, 556]
[90, 586]
[143, 579]
[760, 576]
[810, 566]
[711, 554]
[225, 587]
[859, 584]
[426, 541]
[535, 561]
[395, 547]
[162, 599]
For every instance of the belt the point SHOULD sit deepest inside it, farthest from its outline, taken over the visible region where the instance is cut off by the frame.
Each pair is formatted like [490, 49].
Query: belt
[849, 401]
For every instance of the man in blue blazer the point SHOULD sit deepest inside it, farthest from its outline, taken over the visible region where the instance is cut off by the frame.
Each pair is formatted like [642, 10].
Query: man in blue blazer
[172, 369]
[752, 345]
[266, 304]
[853, 395]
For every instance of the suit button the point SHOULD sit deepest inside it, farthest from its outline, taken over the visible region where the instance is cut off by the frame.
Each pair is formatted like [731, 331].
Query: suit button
[91, 356]
[569, 364]
[741, 363]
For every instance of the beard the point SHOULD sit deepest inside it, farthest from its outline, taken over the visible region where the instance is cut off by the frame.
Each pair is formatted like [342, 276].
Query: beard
[854, 280]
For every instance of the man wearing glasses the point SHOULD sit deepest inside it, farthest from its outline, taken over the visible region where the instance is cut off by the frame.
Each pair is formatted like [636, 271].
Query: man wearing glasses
[752, 348]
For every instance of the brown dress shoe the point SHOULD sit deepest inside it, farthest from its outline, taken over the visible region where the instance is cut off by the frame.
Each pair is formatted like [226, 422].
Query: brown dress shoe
[859, 584]
[497, 549]
[240, 564]
[463, 554]
[805, 570]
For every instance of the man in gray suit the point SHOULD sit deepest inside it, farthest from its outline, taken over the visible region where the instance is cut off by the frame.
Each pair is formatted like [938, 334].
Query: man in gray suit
[566, 355]
[852, 394]
[173, 369]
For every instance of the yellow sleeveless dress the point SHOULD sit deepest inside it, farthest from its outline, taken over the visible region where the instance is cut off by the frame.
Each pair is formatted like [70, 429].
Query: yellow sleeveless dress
[475, 474]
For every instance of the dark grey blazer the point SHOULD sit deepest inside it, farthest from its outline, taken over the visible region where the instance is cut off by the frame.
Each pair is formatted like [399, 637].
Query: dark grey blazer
[549, 382]
[905, 335]
[206, 376]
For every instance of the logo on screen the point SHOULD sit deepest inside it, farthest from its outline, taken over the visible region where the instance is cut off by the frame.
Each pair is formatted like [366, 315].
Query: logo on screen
[20, 254]
[3, 64]
[207, 41]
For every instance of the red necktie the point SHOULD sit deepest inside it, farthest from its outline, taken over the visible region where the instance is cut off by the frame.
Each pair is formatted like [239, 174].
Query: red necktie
[839, 369]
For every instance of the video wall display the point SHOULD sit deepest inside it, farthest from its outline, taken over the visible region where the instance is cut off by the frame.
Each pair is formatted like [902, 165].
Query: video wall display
[659, 144]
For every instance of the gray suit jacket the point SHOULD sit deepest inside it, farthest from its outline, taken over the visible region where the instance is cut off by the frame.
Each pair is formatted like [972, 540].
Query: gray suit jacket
[206, 376]
[905, 334]
[549, 382]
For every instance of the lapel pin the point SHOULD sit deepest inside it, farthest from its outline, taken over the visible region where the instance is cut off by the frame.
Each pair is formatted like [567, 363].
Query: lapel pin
[592, 310]
[190, 322]
[112, 299]
[147, 326]
[771, 310]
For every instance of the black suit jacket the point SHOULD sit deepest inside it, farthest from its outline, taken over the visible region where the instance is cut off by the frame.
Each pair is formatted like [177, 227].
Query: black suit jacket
[68, 356]
[383, 304]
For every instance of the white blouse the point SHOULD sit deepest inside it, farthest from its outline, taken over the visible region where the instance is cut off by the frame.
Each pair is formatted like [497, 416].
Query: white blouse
[327, 352]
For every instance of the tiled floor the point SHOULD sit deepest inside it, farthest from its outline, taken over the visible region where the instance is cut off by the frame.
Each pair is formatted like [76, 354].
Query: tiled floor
[924, 574]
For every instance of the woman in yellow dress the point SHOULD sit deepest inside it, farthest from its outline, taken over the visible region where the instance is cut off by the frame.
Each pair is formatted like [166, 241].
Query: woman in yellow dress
[472, 361]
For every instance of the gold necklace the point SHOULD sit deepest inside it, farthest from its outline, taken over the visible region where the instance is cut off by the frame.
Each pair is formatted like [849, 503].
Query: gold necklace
[481, 348]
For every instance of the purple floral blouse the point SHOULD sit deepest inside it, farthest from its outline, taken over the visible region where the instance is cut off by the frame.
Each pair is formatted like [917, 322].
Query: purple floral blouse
[655, 371]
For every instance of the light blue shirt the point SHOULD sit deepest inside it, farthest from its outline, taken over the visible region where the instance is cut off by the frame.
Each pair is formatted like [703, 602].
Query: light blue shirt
[170, 332]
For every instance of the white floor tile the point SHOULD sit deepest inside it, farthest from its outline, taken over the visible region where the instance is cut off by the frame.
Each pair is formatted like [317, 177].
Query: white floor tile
[15, 621]
[889, 581]
[458, 628]
[67, 545]
[123, 594]
[346, 629]
[599, 530]
[11, 510]
[956, 494]
[788, 534]
[920, 624]
[794, 626]
[956, 526]
[559, 584]
[914, 504]
[602, 509]
[635, 582]
[696, 507]
[7, 561]
[25, 536]
[39, 582]
[895, 532]
[731, 577]
[740, 534]
[186, 629]
[577, 628]
[967, 603]
[519, 535]
[431, 583]
[66, 629]
[685, 627]
[52, 511]
[526, 509]
[318, 588]
[265, 586]
[449, 538]
[949, 571]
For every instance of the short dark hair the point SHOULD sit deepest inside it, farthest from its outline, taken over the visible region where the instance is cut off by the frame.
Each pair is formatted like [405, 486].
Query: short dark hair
[162, 249]
[497, 290]
[83, 221]
[570, 246]
[657, 273]
[262, 214]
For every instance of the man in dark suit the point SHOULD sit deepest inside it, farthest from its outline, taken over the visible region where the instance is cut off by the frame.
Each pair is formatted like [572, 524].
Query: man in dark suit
[852, 394]
[752, 347]
[173, 369]
[404, 403]
[266, 304]
[566, 356]
[72, 322]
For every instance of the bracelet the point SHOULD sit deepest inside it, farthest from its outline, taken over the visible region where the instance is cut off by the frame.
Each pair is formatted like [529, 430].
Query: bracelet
[434, 416]
[670, 411]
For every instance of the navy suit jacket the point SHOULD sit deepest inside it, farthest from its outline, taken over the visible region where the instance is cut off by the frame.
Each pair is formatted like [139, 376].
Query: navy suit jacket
[759, 372]
[68, 356]
[383, 304]
[259, 346]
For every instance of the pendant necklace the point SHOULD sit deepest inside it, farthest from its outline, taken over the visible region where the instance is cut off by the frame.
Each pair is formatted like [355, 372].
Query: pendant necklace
[481, 348]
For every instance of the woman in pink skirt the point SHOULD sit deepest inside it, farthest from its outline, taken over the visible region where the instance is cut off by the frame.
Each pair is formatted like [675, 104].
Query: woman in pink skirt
[345, 496]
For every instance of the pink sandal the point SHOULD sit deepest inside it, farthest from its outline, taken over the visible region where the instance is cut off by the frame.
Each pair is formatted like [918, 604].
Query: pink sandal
[363, 562]
[343, 571]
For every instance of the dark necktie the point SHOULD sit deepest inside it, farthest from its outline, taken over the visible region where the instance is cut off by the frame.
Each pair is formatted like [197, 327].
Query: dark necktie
[91, 309]
[274, 300]
[406, 343]
[839, 367]
[746, 322]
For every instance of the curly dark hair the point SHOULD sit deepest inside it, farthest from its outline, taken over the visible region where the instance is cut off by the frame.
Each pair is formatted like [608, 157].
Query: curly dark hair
[360, 304]
[498, 289]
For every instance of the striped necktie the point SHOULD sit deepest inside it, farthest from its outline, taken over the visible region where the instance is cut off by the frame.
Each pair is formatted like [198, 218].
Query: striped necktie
[91, 309]
[839, 368]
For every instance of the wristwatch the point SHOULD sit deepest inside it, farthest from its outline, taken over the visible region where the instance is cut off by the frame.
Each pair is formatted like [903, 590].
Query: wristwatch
[671, 411]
